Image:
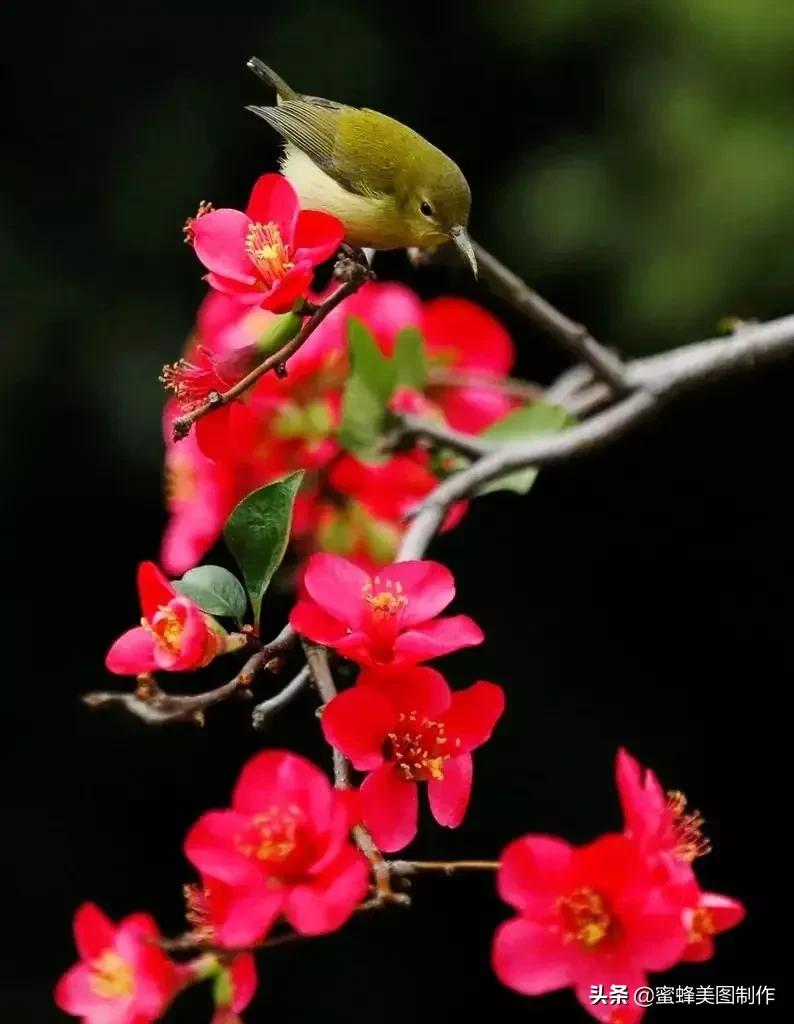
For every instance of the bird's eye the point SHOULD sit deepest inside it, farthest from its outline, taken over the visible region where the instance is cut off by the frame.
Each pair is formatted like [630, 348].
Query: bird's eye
[426, 208]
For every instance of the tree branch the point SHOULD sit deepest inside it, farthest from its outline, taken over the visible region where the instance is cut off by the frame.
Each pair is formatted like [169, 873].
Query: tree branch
[317, 658]
[656, 381]
[356, 273]
[263, 712]
[156, 707]
[575, 337]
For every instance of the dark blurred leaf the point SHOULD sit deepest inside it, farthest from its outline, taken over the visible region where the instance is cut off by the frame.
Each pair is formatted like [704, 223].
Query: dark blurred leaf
[257, 533]
[367, 391]
[215, 590]
[520, 425]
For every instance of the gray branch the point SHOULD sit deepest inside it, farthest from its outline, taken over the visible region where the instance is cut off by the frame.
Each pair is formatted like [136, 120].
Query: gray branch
[654, 382]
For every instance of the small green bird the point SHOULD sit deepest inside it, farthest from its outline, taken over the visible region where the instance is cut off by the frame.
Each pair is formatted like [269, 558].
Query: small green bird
[389, 187]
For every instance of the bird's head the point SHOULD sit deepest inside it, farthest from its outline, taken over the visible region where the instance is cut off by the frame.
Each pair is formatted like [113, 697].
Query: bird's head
[436, 204]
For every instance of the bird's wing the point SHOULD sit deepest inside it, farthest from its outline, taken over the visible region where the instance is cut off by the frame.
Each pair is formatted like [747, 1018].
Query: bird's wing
[322, 129]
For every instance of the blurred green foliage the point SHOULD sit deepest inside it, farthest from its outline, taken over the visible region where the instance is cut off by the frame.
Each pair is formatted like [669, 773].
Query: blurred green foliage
[678, 195]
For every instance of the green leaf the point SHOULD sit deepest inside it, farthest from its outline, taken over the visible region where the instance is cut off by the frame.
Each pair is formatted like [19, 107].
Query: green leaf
[257, 533]
[215, 590]
[367, 391]
[410, 359]
[522, 424]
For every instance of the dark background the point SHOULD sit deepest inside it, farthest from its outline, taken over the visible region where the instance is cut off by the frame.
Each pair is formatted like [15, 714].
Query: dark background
[635, 162]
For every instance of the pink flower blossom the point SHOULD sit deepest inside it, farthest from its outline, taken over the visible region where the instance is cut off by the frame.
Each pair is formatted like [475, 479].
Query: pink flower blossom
[174, 635]
[405, 728]
[123, 977]
[267, 255]
[388, 619]
[282, 848]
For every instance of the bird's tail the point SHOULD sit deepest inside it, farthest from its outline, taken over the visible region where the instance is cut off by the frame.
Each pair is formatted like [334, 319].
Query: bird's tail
[261, 70]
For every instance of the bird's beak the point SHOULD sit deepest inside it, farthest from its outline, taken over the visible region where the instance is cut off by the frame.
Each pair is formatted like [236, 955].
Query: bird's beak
[461, 239]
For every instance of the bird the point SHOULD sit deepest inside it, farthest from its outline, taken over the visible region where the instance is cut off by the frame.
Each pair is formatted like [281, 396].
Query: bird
[390, 187]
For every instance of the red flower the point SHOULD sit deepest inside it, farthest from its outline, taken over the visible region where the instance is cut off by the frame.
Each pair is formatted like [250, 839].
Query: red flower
[388, 619]
[266, 255]
[408, 728]
[123, 977]
[658, 821]
[199, 493]
[671, 839]
[282, 848]
[712, 914]
[174, 635]
[464, 337]
[590, 915]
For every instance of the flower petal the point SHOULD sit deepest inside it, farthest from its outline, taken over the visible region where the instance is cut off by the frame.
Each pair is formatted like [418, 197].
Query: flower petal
[437, 637]
[74, 993]
[467, 336]
[154, 590]
[317, 236]
[273, 777]
[310, 620]
[535, 871]
[210, 848]
[531, 958]
[357, 722]
[423, 690]
[337, 586]
[244, 292]
[219, 240]
[93, 931]
[428, 587]
[274, 201]
[326, 903]
[295, 283]
[390, 808]
[249, 914]
[449, 797]
[242, 972]
[474, 713]
[132, 653]
[603, 973]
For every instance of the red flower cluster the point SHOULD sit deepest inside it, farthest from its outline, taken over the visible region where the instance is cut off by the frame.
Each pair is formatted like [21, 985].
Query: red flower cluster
[609, 912]
[347, 506]
[401, 724]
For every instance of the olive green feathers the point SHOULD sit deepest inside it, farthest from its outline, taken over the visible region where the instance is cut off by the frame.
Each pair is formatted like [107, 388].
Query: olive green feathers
[388, 185]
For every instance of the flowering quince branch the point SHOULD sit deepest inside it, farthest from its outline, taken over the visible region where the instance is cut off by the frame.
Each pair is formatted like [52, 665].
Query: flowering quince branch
[330, 457]
[576, 338]
[278, 360]
[156, 707]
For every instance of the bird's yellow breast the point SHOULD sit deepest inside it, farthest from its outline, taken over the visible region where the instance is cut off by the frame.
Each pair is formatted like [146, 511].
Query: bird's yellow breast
[370, 221]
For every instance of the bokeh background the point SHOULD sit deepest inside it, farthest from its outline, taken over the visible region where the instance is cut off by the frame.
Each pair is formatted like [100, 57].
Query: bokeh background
[634, 161]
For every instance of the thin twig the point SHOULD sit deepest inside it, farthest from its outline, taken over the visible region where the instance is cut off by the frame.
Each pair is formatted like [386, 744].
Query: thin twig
[575, 337]
[317, 658]
[156, 707]
[445, 867]
[263, 712]
[277, 360]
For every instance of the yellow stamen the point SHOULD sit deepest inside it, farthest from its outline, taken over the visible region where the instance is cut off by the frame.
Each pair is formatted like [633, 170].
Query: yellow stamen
[585, 917]
[268, 252]
[111, 976]
[387, 602]
[701, 925]
[271, 836]
[688, 827]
